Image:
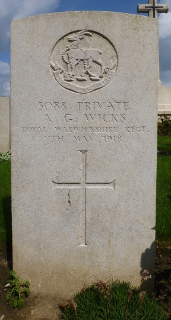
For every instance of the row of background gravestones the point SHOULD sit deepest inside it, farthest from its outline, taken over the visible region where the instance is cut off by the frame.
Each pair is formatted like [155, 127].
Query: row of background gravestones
[164, 107]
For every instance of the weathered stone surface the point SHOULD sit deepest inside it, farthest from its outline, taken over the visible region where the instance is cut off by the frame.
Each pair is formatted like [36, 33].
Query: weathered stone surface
[84, 116]
[4, 125]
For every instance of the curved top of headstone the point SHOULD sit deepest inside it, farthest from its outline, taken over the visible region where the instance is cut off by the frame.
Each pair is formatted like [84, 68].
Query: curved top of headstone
[79, 12]
[83, 57]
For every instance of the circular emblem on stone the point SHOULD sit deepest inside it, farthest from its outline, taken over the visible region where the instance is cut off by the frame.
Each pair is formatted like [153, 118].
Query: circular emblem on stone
[83, 61]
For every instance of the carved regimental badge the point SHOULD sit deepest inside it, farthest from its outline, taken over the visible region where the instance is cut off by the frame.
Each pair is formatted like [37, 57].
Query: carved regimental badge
[83, 61]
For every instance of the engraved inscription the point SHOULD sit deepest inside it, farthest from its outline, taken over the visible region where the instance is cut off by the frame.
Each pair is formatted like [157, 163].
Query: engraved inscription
[83, 185]
[35, 130]
[83, 61]
[86, 121]
[134, 129]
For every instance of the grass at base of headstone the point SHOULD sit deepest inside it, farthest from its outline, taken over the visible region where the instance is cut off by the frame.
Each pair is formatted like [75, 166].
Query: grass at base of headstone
[163, 210]
[112, 301]
[5, 201]
[164, 143]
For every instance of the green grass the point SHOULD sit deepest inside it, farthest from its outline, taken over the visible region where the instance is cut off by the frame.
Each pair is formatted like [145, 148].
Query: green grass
[5, 201]
[164, 143]
[163, 209]
[116, 301]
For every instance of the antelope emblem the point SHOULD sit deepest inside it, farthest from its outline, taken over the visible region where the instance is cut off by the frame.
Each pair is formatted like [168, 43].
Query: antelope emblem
[73, 55]
[86, 61]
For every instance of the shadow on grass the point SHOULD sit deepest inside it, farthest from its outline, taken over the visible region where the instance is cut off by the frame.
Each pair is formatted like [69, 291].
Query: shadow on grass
[6, 205]
[147, 263]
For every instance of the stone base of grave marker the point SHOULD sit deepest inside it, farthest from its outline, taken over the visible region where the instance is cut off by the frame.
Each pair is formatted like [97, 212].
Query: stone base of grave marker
[84, 116]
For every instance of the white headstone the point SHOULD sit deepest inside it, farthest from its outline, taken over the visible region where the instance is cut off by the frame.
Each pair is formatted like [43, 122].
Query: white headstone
[4, 125]
[84, 117]
[164, 101]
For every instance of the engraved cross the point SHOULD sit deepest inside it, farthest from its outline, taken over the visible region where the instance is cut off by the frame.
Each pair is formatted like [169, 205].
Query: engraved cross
[83, 185]
[152, 8]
